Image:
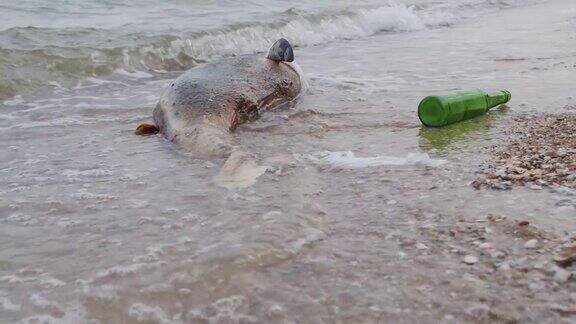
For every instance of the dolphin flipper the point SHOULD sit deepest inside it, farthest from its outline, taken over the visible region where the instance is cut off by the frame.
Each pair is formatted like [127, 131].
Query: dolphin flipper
[281, 51]
[146, 129]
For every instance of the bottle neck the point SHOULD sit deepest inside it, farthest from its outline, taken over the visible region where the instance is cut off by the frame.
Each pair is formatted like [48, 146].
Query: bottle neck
[498, 98]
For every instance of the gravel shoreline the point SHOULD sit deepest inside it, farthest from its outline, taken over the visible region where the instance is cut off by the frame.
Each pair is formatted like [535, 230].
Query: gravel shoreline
[540, 153]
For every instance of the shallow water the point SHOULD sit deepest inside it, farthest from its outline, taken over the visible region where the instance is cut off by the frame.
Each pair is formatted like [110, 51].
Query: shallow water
[100, 224]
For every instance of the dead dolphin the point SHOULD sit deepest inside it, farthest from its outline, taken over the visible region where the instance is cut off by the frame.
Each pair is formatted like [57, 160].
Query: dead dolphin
[202, 106]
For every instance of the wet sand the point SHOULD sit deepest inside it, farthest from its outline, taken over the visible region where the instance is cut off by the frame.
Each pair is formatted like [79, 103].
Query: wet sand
[362, 215]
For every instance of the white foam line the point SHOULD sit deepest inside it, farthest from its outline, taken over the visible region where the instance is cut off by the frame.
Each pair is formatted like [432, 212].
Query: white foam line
[347, 160]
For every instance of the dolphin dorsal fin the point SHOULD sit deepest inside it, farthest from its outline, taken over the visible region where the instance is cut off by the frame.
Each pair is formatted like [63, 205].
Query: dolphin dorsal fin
[281, 51]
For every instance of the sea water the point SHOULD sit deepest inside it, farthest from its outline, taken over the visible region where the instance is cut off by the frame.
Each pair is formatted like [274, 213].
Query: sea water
[99, 224]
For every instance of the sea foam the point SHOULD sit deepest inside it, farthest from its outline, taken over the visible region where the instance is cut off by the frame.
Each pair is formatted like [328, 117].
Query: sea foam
[348, 160]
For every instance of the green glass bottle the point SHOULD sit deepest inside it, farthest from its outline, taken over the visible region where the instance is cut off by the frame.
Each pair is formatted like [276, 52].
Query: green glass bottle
[440, 110]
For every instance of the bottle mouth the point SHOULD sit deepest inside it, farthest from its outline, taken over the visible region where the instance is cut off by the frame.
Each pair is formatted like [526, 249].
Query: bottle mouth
[508, 95]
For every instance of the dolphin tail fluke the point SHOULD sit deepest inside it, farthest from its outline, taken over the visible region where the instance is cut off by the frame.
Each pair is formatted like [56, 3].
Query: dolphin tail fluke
[240, 171]
[146, 129]
[281, 51]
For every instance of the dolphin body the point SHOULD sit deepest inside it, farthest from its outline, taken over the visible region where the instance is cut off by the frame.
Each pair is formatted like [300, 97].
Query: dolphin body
[201, 108]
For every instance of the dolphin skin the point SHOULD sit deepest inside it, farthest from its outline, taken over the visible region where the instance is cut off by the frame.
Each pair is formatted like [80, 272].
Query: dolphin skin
[216, 97]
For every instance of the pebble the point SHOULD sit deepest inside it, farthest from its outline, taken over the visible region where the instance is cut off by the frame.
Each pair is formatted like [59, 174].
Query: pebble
[485, 245]
[561, 276]
[479, 311]
[470, 259]
[421, 246]
[565, 257]
[275, 311]
[531, 244]
[498, 255]
[184, 292]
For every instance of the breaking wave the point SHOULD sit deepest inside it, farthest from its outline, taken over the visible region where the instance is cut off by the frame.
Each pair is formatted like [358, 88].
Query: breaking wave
[32, 57]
